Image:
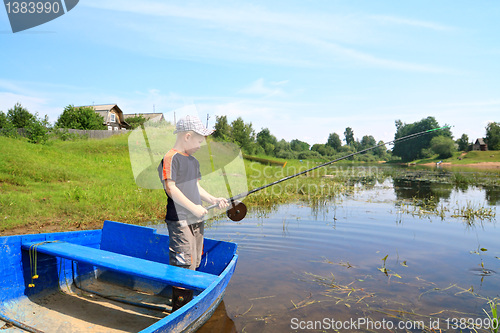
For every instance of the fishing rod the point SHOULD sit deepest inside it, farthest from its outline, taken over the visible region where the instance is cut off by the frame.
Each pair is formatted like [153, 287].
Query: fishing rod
[238, 209]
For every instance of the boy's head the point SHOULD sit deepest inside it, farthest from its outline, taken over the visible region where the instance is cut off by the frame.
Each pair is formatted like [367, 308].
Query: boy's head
[191, 133]
[192, 123]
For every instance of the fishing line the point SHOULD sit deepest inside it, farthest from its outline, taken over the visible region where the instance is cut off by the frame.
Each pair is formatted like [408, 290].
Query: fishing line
[238, 209]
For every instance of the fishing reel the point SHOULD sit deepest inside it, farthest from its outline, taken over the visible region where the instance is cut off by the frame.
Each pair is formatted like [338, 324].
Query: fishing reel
[237, 211]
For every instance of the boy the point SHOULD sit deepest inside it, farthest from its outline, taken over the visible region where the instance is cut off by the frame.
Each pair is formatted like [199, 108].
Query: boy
[180, 177]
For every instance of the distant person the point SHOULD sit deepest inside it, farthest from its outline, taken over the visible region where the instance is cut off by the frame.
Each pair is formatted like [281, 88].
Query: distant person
[180, 174]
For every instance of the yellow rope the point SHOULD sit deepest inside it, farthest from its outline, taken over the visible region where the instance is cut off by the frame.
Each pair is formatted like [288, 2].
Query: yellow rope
[33, 254]
[32, 264]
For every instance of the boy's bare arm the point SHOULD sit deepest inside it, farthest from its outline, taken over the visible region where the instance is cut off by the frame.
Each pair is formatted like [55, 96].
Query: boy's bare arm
[205, 196]
[179, 198]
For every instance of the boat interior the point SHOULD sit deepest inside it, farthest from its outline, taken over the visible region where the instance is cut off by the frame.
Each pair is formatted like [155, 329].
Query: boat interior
[43, 292]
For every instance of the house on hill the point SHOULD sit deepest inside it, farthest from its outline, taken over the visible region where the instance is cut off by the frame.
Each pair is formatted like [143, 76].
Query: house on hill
[113, 116]
[480, 144]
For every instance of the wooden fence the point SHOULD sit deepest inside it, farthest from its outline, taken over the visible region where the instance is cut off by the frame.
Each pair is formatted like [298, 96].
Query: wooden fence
[95, 134]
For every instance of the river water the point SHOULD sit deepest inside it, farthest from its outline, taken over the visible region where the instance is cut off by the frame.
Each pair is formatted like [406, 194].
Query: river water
[377, 259]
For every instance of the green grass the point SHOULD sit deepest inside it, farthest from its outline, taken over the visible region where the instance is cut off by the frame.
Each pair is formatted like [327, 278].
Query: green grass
[480, 156]
[75, 183]
[471, 157]
[314, 187]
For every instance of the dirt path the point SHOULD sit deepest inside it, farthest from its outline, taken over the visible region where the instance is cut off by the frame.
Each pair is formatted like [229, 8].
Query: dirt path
[48, 227]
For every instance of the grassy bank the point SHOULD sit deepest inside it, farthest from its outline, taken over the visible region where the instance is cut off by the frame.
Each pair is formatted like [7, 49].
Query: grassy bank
[69, 185]
[461, 158]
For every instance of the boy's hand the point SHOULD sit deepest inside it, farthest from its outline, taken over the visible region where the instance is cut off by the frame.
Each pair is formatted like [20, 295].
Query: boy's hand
[222, 202]
[200, 211]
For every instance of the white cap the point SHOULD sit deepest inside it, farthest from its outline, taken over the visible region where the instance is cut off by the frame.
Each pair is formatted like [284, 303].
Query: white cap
[192, 123]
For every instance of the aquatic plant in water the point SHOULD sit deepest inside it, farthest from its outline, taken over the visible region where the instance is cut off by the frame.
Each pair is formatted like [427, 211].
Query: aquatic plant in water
[386, 271]
[494, 317]
[470, 212]
[427, 207]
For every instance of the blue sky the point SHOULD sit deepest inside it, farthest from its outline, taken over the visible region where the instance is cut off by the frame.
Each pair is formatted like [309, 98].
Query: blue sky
[303, 69]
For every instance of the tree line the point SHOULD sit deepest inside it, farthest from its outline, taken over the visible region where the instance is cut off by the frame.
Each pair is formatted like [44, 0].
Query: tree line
[438, 142]
[264, 142]
[18, 117]
[36, 129]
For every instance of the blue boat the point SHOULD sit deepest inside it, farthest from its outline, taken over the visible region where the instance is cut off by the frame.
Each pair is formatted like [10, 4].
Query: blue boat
[116, 279]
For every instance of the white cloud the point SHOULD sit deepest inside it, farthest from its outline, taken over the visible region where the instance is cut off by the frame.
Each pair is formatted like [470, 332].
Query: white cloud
[259, 87]
[8, 100]
[33, 104]
[411, 22]
[286, 117]
[251, 33]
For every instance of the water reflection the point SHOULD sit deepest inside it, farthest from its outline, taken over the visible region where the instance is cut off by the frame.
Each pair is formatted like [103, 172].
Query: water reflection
[414, 183]
[428, 186]
[492, 195]
[310, 262]
[416, 189]
[219, 322]
[462, 178]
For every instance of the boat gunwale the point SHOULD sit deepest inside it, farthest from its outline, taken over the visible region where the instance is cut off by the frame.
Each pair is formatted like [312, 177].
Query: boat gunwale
[223, 278]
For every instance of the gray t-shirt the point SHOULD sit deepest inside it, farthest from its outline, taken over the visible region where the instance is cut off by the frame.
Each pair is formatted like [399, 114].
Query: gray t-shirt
[184, 170]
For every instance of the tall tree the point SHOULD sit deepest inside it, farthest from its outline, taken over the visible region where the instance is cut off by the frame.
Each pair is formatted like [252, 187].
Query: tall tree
[367, 141]
[283, 145]
[222, 129]
[6, 127]
[381, 150]
[243, 134]
[443, 146]
[298, 145]
[349, 136]
[84, 118]
[20, 117]
[4, 121]
[493, 136]
[283, 150]
[418, 147]
[334, 141]
[463, 142]
[267, 141]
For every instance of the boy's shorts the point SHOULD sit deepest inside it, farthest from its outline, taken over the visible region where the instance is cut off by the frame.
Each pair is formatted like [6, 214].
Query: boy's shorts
[186, 243]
